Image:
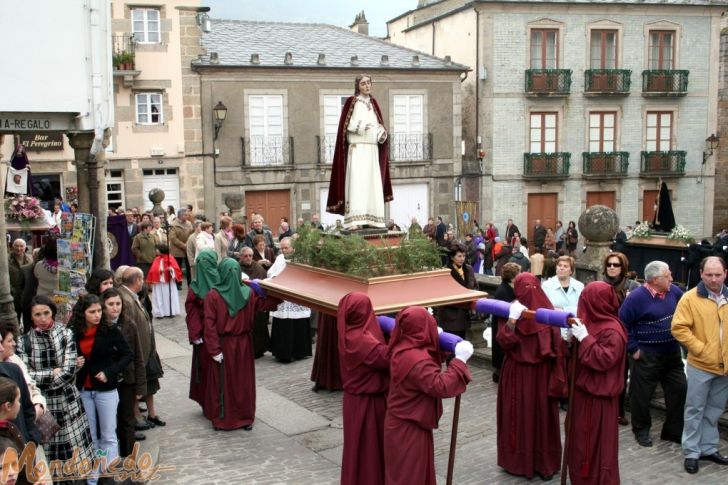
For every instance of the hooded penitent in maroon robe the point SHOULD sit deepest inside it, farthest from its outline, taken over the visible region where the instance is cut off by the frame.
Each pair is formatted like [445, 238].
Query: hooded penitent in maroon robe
[195, 309]
[532, 378]
[414, 405]
[326, 372]
[229, 401]
[593, 454]
[365, 375]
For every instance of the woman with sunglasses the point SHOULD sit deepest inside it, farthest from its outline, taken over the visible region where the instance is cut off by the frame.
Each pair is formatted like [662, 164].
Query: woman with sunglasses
[616, 266]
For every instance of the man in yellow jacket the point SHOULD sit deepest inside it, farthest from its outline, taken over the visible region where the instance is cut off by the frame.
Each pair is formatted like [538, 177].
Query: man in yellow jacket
[700, 324]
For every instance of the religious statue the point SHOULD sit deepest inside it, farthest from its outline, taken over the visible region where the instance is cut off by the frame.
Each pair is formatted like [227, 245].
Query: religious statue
[360, 184]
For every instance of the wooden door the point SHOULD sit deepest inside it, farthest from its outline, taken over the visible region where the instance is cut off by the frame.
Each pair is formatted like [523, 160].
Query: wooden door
[602, 198]
[271, 204]
[649, 199]
[544, 207]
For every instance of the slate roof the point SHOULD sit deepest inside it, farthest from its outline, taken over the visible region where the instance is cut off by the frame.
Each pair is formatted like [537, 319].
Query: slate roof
[235, 41]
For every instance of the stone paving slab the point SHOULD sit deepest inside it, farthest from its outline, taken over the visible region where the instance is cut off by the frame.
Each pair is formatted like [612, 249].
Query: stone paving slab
[286, 416]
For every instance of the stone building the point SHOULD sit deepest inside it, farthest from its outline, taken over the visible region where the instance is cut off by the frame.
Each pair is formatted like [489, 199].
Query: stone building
[577, 103]
[283, 85]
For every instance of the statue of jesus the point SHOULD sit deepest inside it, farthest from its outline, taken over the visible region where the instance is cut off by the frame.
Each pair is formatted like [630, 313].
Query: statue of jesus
[360, 184]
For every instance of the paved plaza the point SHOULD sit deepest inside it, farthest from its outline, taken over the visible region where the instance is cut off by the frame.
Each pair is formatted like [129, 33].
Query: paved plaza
[298, 435]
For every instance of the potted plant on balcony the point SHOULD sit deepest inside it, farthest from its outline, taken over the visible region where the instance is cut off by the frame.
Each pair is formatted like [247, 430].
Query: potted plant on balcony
[123, 61]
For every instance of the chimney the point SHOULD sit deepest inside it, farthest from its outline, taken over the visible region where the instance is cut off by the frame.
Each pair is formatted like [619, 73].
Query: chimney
[360, 24]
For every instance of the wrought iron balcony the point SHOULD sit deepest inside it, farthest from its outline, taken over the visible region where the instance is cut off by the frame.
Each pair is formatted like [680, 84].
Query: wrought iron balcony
[607, 81]
[605, 164]
[404, 147]
[123, 54]
[663, 164]
[548, 82]
[267, 151]
[546, 165]
[665, 82]
[326, 145]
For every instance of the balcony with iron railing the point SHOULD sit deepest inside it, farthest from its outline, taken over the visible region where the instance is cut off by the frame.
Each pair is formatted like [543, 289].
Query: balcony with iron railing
[403, 148]
[605, 164]
[607, 82]
[548, 82]
[538, 166]
[267, 151]
[665, 82]
[123, 58]
[663, 164]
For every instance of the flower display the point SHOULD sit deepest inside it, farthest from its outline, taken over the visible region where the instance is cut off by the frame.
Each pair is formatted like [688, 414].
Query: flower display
[23, 208]
[680, 233]
[642, 231]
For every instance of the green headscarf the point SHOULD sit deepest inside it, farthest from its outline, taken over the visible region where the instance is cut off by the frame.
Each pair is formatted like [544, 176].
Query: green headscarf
[231, 286]
[206, 277]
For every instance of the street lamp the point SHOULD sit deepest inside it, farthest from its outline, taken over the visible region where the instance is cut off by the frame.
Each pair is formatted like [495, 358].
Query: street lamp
[711, 143]
[219, 113]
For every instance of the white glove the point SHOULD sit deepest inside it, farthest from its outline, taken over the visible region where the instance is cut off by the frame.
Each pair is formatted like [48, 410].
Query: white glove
[197, 342]
[217, 358]
[516, 310]
[579, 331]
[439, 330]
[463, 351]
[567, 334]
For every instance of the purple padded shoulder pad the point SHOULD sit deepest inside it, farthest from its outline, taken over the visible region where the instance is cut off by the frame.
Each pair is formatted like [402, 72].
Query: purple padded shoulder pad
[494, 307]
[555, 318]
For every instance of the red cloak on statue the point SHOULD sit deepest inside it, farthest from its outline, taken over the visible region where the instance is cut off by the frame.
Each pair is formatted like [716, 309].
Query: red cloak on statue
[336, 203]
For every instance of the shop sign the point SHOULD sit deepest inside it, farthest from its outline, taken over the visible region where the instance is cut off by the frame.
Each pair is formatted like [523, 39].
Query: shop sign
[41, 142]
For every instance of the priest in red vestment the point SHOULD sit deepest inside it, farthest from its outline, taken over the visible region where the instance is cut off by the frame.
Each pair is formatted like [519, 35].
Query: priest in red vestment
[205, 279]
[360, 183]
[593, 454]
[228, 337]
[414, 405]
[533, 377]
[365, 375]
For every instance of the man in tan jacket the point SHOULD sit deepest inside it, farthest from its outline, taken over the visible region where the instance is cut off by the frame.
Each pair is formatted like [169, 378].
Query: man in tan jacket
[699, 324]
[179, 232]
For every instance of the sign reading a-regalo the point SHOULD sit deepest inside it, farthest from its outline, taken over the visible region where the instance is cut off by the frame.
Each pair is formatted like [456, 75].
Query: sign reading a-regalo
[41, 142]
[14, 122]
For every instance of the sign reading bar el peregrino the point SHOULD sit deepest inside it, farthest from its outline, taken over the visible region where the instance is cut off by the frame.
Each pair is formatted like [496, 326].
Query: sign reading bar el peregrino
[41, 142]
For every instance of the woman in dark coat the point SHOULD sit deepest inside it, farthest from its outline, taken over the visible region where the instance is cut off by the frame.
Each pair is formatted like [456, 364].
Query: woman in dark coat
[616, 266]
[452, 318]
[414, 404]
[572, 238]
[504, 292]
[365, 375]
[593, 454]
[205, 279]
[533, 377]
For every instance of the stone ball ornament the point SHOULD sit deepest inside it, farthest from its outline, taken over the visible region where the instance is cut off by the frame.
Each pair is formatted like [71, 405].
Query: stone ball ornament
[156, 196]
[598, 223]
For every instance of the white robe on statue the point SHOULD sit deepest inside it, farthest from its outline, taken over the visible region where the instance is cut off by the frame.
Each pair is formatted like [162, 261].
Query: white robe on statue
[364, 193]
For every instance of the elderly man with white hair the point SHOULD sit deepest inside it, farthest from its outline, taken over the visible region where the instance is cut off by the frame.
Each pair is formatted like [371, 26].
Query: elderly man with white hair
[654, 354]
[17, 259]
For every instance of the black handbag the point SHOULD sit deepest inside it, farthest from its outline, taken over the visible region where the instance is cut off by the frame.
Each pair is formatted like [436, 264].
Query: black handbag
[154, 366]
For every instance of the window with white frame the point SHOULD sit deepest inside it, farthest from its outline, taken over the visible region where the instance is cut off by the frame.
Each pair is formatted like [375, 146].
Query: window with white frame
[602, 127]
[149, 108]
[333, 104]
[266, 130]
[543, 132]
[145, 25]
[658, 136]
[407, 139]
[114, 189]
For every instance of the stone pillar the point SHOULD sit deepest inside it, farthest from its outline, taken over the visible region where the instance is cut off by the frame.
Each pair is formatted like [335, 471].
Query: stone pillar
[92, 189]
[235, 203]
[720, 156]
[7, 308]
[598, 225]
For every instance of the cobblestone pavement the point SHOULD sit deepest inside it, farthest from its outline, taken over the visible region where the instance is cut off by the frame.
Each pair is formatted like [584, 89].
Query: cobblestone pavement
[297, 436]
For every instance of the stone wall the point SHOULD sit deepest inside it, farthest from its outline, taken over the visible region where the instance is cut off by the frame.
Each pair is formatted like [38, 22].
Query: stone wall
[720, 158]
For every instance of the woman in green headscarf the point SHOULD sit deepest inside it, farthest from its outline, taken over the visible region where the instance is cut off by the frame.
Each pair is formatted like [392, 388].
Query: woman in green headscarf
[230, 307]
[205, 278]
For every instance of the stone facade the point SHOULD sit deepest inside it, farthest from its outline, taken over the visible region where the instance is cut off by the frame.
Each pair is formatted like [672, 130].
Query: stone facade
[720, 158]
[499, 34]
